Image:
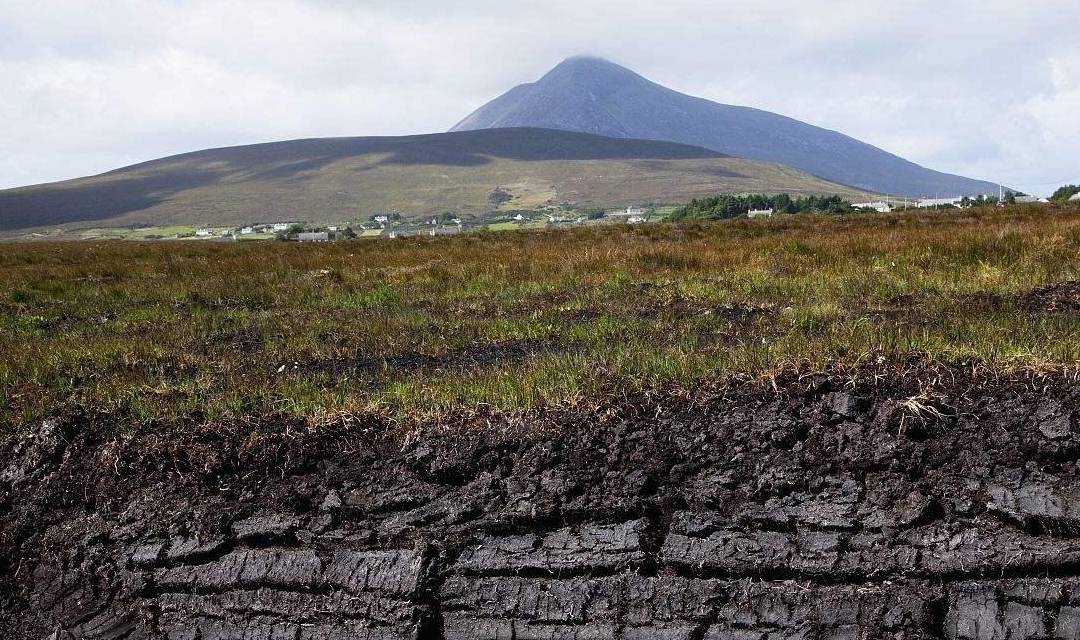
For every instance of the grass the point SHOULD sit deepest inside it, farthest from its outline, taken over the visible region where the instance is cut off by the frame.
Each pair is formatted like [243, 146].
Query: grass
[153, 233]
[425, 326]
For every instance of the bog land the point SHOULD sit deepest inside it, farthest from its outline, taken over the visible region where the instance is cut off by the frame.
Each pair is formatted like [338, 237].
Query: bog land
[802, 427]
[515, 320]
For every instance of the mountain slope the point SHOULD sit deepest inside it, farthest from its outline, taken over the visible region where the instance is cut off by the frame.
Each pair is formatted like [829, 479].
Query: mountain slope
[596, 96]
[337, 179]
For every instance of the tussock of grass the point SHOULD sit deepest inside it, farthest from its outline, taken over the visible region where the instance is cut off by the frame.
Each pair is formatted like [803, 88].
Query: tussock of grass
[425, 326]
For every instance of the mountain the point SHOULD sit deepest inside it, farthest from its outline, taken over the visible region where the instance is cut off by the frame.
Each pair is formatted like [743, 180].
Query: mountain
[596, 96]
[338, 179]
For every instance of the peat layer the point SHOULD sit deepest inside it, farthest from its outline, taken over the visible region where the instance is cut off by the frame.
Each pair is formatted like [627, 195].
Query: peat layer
[927, 503]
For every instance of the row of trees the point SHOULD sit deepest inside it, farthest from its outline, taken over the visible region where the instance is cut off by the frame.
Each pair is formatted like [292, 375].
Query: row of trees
[734, 206]
[296, 229]
[981, 200]
[1066, 192]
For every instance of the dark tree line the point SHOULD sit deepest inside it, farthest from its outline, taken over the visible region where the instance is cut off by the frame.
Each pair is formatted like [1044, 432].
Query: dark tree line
[1066, 192]
[981, 200]
[734, 206]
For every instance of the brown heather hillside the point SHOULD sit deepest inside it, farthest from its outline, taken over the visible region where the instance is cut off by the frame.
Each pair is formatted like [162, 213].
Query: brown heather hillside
[341, 179]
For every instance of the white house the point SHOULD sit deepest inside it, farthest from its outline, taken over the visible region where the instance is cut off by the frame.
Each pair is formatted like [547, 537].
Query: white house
[382, 219]
[204, 233]
[635, 219]
[1075, 198]
[939, 202]
[1029, 200]
[882, 207]
[247, 230]
[632, 211]
[519, 217]
[760, 213]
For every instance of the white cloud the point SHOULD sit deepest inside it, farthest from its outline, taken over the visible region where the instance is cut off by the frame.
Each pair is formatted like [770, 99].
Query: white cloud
[988, 89]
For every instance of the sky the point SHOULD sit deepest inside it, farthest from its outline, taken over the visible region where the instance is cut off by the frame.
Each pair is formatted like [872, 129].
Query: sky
[988, 89]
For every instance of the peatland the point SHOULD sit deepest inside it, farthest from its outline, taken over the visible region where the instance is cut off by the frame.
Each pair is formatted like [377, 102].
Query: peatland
[808, 427]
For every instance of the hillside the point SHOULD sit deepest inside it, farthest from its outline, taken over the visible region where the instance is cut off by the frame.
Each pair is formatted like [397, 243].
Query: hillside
[596, 96]
[347, 178]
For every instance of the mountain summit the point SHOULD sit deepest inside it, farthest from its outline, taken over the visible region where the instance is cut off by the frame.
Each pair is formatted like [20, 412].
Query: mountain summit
[593, 95]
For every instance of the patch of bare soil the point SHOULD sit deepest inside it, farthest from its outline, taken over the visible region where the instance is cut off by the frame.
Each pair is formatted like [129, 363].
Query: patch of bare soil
[679, 307]
[915, 504]
[475, 355]
[1062, 297]
[984, 301]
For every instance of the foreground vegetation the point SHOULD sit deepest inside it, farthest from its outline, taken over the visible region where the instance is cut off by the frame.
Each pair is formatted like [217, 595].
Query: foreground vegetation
[209, 331]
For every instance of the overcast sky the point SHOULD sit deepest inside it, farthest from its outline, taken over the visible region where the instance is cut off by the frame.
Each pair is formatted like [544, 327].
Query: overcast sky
[988, 89]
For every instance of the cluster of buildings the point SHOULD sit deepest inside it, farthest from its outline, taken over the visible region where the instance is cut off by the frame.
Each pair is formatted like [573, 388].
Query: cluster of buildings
[885, 206]
[273, 227]
[391, 225]
[319, 235]
[633, 215]
[888, 205]
[880, 206]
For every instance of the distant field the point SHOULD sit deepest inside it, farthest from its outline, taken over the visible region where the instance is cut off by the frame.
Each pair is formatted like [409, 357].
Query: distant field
[167, 331]
[151, 233]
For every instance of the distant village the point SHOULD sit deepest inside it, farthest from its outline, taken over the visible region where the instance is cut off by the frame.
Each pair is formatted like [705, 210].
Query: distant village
[957, 202]
[395, 225]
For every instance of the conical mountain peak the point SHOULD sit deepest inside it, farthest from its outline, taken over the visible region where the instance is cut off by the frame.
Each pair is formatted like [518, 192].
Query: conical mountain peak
[593, 95]
[592, 65]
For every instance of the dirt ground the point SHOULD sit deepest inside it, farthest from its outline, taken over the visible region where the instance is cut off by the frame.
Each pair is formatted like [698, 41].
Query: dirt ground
[914, 502]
